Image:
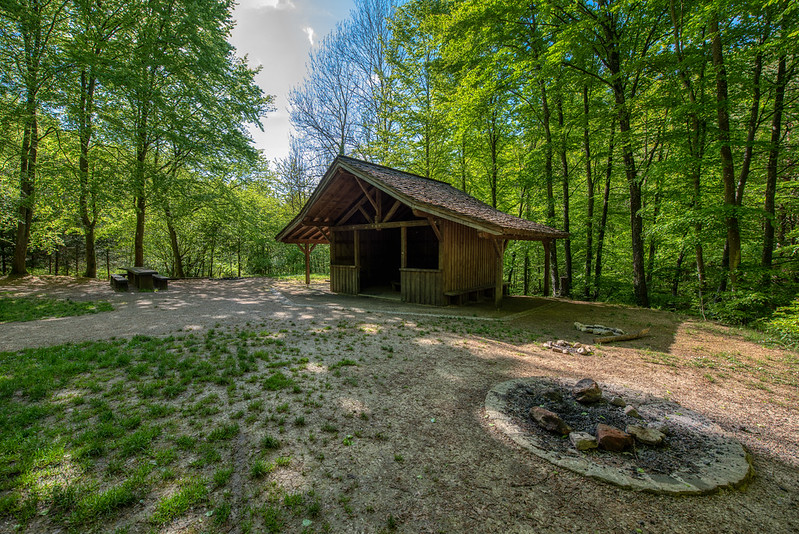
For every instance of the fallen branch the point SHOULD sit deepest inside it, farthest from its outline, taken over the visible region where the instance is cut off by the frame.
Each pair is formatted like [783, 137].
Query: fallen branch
[625, 337]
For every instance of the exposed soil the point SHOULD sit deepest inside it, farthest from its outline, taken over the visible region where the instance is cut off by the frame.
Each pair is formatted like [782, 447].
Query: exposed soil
[459, 474]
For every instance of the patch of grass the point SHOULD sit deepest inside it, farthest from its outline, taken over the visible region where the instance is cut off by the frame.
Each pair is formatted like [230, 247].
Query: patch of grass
[261, 468]
[222, 476]
[272, 520]
[329, 428]
[18, 309]
[107, 502]
[224, 432]
[138, 442]
[268, 442]
[277, 381]
[169, 508]
[222, 513]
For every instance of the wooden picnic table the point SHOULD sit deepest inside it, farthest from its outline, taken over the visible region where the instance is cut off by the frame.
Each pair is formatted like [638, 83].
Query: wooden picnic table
[141, 278]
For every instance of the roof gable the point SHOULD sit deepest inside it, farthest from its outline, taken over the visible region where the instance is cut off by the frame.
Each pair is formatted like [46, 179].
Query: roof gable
[337, 194]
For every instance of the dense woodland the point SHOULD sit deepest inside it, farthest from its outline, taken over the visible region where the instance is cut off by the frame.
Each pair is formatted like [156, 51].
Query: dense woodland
[659, 134]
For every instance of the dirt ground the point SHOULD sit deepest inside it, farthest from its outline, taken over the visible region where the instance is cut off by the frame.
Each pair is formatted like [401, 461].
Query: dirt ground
[457, 473]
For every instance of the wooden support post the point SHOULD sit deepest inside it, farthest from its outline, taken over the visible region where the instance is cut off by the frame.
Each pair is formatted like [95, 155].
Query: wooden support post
[357, 248]
[404, 247]
[499, 249]
[306, 251]
[546, 244]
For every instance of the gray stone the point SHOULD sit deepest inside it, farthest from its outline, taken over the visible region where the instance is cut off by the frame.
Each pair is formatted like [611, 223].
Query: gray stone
[618, 401]
[661, 427]
[647, 436]
[549, 421]
[583, 441]
[586, 391]
[630, 411]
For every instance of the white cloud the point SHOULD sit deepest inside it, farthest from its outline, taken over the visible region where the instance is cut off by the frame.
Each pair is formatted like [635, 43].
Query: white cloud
[310, 33]
[267, 31]
[274, 4]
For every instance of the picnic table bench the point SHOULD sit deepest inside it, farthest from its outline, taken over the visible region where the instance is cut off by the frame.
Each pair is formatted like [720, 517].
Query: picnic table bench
[142, 278]
[160, 282]
[474, 294]
[119, 282]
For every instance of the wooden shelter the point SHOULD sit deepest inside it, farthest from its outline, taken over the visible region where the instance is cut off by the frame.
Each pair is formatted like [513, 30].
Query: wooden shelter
[424, 238]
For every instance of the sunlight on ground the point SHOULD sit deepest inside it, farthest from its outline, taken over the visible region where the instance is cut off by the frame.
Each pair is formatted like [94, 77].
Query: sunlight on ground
[54, 468]
[353, 406]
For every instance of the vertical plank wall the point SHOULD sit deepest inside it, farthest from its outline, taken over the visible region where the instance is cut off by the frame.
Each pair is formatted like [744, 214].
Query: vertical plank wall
[422, 286]
[469, 261]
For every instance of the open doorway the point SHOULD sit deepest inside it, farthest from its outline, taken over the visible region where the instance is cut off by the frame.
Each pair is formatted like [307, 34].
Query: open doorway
[380, 253]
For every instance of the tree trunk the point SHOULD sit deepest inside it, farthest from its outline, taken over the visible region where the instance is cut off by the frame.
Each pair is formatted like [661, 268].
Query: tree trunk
[27, 181]
[177, 259]
[675, 283]
[600, 238]
[526, 271]
[771, 170]
[87, 83]
[589, 184]
[564, 163]
[636, 220]
[553, 250]
[727, 165]
[652, 244]
[211, 260]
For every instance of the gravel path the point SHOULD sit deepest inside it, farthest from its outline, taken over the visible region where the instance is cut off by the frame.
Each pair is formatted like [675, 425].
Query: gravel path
[200, 304]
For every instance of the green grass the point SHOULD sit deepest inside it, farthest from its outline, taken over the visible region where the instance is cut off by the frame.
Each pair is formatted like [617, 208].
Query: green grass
[177, 504]
[32, 308]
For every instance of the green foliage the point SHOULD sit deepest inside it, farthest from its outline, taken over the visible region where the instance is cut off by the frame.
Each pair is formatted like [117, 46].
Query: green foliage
[784, 324]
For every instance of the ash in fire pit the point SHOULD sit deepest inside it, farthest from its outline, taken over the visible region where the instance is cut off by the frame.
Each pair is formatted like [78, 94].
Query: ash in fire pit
[618, 435]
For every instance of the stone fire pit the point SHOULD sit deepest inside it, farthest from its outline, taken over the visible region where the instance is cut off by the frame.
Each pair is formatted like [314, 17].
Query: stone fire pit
[667, 449]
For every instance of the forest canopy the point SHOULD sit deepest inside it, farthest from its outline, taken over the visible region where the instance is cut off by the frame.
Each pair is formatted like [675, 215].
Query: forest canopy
[658, 134]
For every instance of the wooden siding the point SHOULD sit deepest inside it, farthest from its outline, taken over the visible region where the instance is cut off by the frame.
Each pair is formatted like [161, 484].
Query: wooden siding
[468, 260]
[345, 279]
[422, 286]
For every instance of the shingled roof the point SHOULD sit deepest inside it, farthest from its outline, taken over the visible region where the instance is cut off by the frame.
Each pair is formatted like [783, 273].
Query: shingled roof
[423, 194]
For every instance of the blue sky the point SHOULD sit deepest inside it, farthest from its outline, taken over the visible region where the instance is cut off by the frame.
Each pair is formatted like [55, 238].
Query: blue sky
[278, 34]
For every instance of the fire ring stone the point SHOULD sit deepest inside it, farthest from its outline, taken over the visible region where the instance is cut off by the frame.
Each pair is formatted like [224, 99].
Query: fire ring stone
[707, 460]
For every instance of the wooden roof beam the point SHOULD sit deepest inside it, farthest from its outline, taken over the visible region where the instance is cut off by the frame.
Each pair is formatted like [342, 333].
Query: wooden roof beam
[380, 226]
[392, 211]
[350, 212]
[366, 215]
[366, 192]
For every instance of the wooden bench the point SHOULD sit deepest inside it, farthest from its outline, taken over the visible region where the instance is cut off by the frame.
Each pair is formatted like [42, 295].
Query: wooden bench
[473, 294]
[160, 282]
[119, 282]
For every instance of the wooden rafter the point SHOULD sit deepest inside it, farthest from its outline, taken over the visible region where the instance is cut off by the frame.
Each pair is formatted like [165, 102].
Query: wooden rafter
[366, 192]
[350, 212]
[366, 215]
[392, 211]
